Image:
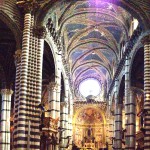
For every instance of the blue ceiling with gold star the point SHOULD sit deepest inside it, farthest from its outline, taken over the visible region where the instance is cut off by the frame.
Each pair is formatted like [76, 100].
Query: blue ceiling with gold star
[92, 31]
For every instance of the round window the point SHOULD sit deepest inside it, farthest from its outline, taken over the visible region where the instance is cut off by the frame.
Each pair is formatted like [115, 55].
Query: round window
[89, 86]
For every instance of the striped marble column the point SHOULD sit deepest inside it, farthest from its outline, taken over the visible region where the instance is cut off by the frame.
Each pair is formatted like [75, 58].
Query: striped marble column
[58, 108]
[111, 132]
[146, 42]
[70, 121]
[66, 107]
[17, 57]
[118, 121]
[115, 111]
[38, 47]
[127, 103]
[52, 99]
[58, 90]
[20, 130]
[5, 119]
[131, 122]
[118, 127]
[66, 123]
[26, 131]
[63, 124]
[58, 81]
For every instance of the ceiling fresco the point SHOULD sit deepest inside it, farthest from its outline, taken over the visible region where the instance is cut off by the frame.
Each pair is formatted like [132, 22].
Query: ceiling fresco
[91, 32]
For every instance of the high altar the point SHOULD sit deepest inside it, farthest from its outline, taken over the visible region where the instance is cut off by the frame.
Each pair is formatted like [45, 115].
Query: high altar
[89, 125]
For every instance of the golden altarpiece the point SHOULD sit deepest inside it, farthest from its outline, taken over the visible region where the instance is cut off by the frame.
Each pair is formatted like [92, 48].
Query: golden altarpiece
[89, 125]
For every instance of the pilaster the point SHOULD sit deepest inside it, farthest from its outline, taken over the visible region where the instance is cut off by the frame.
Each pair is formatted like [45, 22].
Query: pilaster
[118, 127]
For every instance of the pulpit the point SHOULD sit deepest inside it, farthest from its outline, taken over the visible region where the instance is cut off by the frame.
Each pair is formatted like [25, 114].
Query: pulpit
[49, 132]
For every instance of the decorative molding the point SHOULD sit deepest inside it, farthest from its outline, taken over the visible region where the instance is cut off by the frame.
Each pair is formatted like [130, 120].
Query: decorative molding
[54, 34]
[100, 105]
[28, 5]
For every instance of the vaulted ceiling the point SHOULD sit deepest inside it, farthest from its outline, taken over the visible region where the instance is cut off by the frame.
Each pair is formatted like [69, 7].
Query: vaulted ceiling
[91, 32]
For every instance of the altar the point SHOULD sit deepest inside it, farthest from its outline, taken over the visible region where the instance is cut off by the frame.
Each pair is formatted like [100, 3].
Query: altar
[89, 131]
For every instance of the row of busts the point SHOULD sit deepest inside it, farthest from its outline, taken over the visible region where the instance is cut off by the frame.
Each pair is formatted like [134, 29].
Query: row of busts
[54, 34]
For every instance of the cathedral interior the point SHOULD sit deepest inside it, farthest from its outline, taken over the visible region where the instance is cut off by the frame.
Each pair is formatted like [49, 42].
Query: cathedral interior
[75, 74]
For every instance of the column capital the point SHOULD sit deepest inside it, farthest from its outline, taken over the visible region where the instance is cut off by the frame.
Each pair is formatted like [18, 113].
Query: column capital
[146, 40]
[28, 5]
[6, 92]
[40, 31]
[17, 55]
[52, 86]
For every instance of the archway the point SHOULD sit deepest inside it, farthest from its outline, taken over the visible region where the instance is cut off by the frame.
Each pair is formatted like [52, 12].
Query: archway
[48, 76]
[137, 69]
[48, 72]
[137, 84]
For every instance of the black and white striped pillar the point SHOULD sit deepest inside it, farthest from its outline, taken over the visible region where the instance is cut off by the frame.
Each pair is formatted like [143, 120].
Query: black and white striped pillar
[58, 81]
[5, 119]
[130, 110]
[146, 42]
[63, 126]
[39, 33]
[70, 120]
[27, 115]
[66, 107]
[111, 132]
[17, 57]
[118, 127]
[52, 99]
[115, 111]
[131, 121]
[20, 129]
[118, 121]
[66, 123]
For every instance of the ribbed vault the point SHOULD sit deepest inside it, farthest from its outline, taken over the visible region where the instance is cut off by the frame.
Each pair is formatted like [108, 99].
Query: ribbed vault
[91, 32]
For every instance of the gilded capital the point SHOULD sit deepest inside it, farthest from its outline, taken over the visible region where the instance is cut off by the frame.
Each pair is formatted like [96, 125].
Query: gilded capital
[6, 92]
[40, 31]
[28, 5]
